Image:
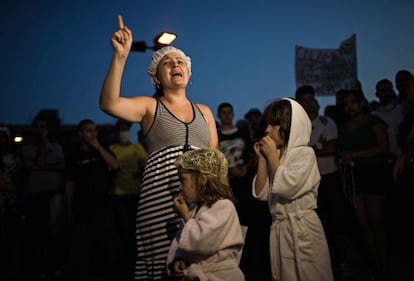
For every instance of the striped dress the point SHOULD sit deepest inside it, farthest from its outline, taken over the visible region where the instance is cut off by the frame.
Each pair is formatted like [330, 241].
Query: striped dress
[157, 221]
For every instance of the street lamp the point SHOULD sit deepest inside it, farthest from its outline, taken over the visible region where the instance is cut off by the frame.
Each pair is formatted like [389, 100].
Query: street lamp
[161, 40]
[18, 139]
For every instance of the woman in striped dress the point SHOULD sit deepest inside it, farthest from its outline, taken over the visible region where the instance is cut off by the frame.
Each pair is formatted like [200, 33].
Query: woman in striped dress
[171, 124]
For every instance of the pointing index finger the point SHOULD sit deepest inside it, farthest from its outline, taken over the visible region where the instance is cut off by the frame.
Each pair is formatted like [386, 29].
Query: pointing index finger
[120, 22]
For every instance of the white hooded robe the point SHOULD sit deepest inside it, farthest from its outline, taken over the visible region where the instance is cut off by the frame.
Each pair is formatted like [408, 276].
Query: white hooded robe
[298, 246]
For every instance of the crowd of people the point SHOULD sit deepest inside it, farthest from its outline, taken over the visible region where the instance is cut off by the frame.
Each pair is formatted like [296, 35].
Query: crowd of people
[287, 193]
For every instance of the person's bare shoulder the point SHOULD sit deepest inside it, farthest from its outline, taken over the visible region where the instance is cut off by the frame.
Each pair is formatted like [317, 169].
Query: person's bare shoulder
[204, 109]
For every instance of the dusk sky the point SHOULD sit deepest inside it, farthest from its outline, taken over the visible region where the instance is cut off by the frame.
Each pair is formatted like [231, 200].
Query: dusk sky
[55, 54]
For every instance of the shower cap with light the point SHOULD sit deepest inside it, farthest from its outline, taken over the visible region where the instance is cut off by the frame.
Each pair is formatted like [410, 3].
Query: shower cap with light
[159, 54]
[205, 160]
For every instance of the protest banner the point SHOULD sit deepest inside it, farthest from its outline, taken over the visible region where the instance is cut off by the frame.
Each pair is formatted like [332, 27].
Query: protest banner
[327, 70]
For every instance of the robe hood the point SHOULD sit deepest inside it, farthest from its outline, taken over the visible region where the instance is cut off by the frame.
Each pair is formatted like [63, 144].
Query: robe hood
[301, 126]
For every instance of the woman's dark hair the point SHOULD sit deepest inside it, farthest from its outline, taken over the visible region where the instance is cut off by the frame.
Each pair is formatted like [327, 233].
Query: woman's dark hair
[158, 93]
[359, 95]
[279, 113]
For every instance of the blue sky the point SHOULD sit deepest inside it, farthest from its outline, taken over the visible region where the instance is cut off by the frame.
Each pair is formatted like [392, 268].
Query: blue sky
[55, 54]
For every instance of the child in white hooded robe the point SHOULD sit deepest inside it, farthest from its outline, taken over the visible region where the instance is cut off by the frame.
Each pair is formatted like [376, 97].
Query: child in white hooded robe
[209, 241]
[288, 178]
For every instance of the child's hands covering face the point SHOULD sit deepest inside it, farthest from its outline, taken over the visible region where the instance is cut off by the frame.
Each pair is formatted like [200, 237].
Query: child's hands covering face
[267, 147]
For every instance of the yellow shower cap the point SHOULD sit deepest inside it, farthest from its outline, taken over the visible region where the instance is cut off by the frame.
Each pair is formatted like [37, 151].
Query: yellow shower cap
[205, 160]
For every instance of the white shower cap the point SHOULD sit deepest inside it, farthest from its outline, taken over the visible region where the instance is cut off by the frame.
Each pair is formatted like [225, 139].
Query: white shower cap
[204, 160]
[159, 54]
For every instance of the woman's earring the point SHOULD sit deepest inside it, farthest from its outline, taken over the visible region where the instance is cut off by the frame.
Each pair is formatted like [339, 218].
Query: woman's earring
[157, 86]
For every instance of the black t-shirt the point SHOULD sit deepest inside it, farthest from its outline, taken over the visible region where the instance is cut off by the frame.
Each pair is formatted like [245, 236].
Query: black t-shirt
[237, 146]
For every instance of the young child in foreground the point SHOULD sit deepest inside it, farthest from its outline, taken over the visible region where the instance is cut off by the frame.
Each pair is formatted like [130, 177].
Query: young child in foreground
[288, 178]
[210, 236]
